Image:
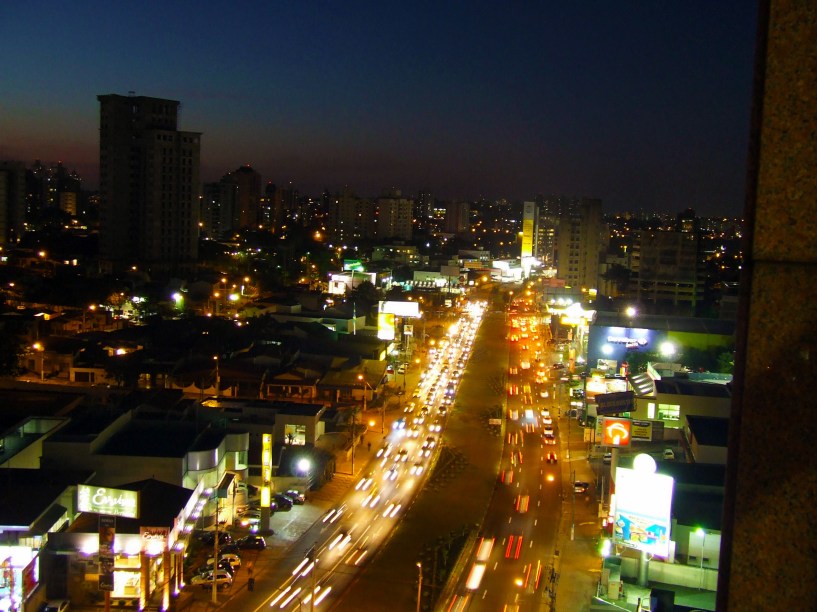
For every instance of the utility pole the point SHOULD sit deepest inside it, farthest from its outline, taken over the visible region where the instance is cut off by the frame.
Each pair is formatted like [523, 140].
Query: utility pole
[215, 555]
[419, 585]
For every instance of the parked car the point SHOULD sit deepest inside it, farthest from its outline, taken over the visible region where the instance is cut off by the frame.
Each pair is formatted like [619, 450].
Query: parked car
[282, 501]
[57, 605]
[251, 517]
[223, 579]
[580, 486]
[209, 538]
[253, 542]
[233, 559]
[296, 496]
[669, 454]
[223, 564]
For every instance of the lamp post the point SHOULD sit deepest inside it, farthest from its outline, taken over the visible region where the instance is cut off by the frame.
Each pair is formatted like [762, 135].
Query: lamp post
[363, 380]
[419, 584]
[701, 533]
[214, 594]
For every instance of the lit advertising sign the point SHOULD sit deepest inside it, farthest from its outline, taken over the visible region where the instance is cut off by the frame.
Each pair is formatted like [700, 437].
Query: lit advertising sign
[107, 534]
[615, 403]
[401, 309]
[615, 432]
[154, 539]
[113, 502]
[642, 514]
[385, 326]
[528, 211]
[648, 431]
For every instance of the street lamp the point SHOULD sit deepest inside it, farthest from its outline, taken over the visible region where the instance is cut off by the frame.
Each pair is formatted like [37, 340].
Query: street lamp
[363, 380]
[701, 533]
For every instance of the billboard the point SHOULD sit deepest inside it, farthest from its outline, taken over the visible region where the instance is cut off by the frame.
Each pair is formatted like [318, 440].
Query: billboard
[648, 431]
[615, 432]
[401, 309]
[642, 514]
[615, 403]
[113, 502]
[385, 326]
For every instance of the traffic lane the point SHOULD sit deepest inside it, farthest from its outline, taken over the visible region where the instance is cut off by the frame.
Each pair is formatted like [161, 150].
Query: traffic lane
[456, 499]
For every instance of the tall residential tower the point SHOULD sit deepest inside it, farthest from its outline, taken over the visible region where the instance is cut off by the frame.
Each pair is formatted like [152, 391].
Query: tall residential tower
[149, 185]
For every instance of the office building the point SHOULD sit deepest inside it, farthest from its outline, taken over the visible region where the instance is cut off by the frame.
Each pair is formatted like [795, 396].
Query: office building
[579, 244]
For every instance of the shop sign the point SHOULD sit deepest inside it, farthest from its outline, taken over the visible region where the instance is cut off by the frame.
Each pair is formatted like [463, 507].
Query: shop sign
[615, 403]
[154, 539]
[616, 432]
[102, 500]
[107, 533]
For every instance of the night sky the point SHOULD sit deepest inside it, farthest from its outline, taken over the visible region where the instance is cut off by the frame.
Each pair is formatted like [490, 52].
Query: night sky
[643, 104]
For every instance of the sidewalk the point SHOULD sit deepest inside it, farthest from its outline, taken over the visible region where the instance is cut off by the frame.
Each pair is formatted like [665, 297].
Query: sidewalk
[579, 564]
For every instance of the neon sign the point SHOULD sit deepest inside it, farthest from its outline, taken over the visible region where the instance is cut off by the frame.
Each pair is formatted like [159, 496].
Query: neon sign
[113, 502]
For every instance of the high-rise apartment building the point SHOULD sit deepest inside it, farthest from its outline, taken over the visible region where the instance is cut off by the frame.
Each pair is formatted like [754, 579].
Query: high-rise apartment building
[247, 209]
[457, 217]
[148, 183]
[579, 244]
[12, 200]
[669, 277]
[394, 216]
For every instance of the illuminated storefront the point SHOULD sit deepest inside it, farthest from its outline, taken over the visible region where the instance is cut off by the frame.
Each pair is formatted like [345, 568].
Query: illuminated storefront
[147, 552]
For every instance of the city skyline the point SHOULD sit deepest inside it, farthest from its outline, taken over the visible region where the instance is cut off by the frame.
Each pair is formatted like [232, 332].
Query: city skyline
[648, 109]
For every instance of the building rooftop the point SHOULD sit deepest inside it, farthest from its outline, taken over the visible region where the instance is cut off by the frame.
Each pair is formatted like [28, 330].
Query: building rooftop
[709, 431]
[682, 386]
[26, 494]
[699, 325]
[165, 439]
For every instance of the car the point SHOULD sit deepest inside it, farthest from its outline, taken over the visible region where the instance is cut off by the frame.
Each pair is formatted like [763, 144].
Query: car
[547, 420]
[607, 459]
[551, 457]
[295, 496]
[669, 454]
[385, 450]
[252, 517]
[223, 579]
[414, 432]
[401, 456]
[580, 486]
[222, 564]
[548, 431]
[252, 542]
[557, 366]
[209, 538]
[410, 406]
[57, 605]
[392, 473]
[231, 558]
[416, 469]
[549, 439]
[282, 501]
[435, 426]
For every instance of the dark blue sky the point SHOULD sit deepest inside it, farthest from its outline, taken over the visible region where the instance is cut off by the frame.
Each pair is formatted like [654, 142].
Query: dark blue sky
[643, 104]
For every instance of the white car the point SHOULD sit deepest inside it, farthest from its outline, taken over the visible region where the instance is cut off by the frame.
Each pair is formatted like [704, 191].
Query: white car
[233, 559]
[223, 579]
